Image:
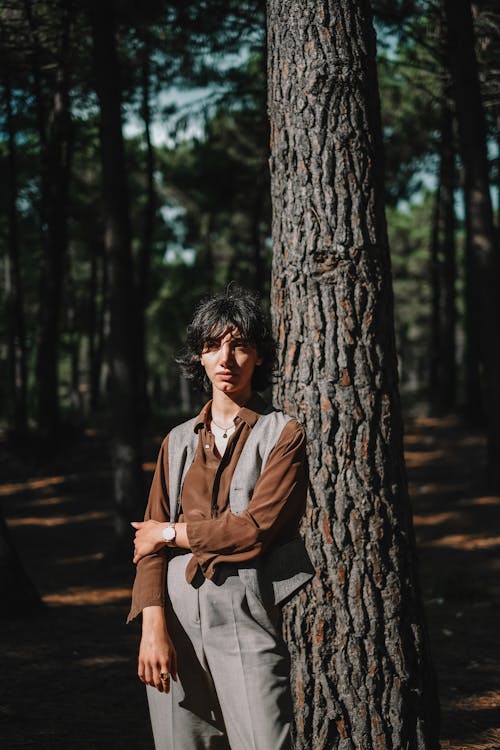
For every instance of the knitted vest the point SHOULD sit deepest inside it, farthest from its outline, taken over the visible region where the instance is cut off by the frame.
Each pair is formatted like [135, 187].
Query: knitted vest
[281, 570]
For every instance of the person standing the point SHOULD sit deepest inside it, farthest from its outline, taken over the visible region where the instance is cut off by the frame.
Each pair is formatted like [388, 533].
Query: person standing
[219, 549]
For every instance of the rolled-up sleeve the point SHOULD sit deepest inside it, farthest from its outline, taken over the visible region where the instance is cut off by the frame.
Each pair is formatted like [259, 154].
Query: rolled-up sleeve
[151, 571]
[274, 511]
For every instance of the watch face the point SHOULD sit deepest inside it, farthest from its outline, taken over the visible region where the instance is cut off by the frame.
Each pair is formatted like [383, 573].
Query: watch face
[168, 534]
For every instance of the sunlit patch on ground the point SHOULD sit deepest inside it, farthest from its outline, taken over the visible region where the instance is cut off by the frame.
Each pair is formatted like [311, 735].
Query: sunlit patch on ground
[464, 541]
[61, 525]
[85, 596]
[95, 515]
[31, 484]
[433, 518]
[43, 502]
[102, 661]
[490, 500]
[490, 699]
[415, 459]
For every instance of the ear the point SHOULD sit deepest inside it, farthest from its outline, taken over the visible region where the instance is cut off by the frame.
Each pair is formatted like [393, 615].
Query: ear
[259, 361]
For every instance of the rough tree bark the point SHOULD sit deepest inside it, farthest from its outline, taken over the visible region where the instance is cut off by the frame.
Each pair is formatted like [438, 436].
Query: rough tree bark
[122, 341]
[14, 303]
[480, 228]
[362, 675]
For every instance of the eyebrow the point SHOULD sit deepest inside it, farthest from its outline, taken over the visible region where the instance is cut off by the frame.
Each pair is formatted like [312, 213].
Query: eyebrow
[217, 339]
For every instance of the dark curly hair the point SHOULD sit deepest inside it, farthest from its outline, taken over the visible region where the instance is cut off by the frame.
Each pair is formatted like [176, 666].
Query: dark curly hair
[236, 308]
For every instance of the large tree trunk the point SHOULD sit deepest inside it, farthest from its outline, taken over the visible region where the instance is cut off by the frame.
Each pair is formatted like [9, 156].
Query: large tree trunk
[17, 593]
[480, 227]
[15, 323]
[362, 675]
[122, 341]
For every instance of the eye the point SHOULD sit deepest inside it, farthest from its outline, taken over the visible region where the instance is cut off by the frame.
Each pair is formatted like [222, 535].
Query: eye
[211, 345]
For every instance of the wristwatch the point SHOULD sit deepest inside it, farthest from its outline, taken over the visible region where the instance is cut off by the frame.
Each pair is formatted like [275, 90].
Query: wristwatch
[168, 533]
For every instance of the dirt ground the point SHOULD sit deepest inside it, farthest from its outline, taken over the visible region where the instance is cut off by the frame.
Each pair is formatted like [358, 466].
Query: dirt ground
[68, 674]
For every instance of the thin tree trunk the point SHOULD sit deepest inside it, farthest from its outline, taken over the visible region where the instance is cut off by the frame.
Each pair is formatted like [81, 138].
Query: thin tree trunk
[14, 301]
[474, 410]
[73, 334]
[92, 327]
[361, 670]
[148, 230]
[97, 305]
[55, 151]
[448, 377]
[481, 239]
[122, 341]
[435, 283]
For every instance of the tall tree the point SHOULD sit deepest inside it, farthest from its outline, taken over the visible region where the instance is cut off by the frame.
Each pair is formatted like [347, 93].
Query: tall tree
[448, 379]
[362, 674]
[122, 339]
[144, 271]
[481, 245]
[443, 274]
[54, 131]
[14, 298]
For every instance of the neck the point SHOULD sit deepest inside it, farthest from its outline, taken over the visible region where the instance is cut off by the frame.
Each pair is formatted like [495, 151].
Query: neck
[225, 408]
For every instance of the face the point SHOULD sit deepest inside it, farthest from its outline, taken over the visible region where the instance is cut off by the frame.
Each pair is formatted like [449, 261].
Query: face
[229, 363]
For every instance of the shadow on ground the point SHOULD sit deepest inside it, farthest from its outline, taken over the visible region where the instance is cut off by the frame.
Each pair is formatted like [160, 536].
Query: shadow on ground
[69, 673]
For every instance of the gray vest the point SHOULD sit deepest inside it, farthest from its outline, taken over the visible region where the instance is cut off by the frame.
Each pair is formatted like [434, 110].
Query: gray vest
[282, 569]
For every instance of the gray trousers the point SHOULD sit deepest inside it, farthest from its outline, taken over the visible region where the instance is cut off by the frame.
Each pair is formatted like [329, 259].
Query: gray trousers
[232, 691]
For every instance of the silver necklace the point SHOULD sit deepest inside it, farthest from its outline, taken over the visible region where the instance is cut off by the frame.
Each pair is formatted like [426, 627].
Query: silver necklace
[223, 431]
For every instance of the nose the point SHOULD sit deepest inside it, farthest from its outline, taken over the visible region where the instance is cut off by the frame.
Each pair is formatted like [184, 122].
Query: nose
[226, 354]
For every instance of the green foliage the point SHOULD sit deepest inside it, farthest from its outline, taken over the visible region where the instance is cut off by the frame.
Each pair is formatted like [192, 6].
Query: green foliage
[212, 205]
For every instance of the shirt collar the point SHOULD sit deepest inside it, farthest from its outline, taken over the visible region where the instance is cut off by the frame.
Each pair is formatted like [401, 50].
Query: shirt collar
[249, 412]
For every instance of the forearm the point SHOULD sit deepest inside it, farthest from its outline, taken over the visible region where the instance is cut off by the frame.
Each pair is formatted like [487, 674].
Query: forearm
[153, 619]
[149, 538]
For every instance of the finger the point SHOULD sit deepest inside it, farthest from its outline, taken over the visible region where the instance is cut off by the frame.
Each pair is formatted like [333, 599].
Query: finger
[137, 524]
[165, 681]
[148, 676]
[159, 683]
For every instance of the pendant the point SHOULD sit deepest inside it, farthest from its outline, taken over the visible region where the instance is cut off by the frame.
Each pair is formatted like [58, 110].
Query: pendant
[225, 435]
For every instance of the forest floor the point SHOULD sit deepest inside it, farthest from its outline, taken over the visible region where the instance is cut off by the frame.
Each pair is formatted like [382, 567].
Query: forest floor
[68, 673]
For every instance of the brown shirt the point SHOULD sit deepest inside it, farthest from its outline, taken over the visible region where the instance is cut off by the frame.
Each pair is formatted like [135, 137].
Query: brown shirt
[215, 534]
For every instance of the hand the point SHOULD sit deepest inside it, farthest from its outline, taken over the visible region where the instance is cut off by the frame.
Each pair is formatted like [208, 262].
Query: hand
[157, 653]
[148, 538]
